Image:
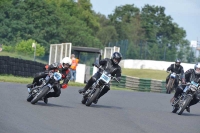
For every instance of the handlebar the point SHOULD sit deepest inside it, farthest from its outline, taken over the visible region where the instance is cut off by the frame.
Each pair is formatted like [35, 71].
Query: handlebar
[100, 67]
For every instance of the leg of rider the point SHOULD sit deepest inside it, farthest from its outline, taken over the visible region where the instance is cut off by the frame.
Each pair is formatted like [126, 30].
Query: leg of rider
[90, 82]
[176, 82]
[56, 93]
[104, 91]
[178, 92]
[37, 76]
[195, 100]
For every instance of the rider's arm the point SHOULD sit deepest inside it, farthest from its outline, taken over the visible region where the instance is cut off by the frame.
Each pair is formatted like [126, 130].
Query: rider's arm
[182, 73]
[66, 77]
[118, 74]
[169, 68]
[102, 62]
[187, 75]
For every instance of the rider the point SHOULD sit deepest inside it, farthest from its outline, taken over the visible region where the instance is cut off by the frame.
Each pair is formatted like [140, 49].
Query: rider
[178, 69]
[62, 68]
[109, 65]
[190, 75]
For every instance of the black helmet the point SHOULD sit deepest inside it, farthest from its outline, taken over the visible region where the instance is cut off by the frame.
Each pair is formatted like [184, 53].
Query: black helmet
[116, 57]
[177, 62]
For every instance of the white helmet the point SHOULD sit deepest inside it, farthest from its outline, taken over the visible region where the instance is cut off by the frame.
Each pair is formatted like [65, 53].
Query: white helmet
[66, 60]
[197, 65]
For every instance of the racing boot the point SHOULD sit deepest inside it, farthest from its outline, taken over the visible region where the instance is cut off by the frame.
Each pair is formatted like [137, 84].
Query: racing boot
[45, 100]
[188, 109]
[82, 90]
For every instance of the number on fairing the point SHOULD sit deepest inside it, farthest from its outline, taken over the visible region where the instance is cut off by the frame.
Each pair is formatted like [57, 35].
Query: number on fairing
[57, 76]
[173, 75]
[105, 78]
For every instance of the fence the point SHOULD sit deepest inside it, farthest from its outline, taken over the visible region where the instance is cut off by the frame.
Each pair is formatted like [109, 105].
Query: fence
[137, 84]
[19, 67]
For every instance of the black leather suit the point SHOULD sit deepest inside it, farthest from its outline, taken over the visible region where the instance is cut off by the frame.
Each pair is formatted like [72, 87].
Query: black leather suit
[189, 76]
[110, 67]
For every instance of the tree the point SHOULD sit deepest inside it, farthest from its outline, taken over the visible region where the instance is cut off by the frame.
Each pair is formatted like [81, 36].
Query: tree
[26, 48]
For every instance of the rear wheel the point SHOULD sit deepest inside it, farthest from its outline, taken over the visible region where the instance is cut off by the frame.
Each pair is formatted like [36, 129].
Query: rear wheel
[93, 97]
[41, 94]
[184, 104]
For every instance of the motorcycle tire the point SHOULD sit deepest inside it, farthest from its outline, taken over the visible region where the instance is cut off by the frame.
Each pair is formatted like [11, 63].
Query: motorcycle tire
[186, 103]
[41, 94]
[29, 98]
[84, 100]
[92, 98]
[168, 87]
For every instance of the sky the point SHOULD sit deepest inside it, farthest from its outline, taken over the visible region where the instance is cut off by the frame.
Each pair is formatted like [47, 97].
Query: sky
[186, 13]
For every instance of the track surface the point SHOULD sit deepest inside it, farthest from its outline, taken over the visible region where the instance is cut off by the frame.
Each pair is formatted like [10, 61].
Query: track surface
[116, 112]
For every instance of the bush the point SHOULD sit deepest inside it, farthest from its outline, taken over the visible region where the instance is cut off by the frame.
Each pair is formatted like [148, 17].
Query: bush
[26, 48]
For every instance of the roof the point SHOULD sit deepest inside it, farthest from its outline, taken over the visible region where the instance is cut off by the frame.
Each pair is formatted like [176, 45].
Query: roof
[87, 49]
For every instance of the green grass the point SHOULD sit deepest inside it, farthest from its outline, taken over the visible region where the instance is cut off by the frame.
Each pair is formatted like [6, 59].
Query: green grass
[145, 73]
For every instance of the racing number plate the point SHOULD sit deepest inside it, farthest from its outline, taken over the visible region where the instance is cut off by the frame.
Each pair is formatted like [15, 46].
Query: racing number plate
[105, 78]
[57, 76]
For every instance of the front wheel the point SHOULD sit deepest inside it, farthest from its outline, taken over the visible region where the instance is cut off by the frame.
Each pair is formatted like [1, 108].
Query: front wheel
[92, 97]
[84, 100]
[184, 104]
[41, 94]
[169, 86]
[29, 98]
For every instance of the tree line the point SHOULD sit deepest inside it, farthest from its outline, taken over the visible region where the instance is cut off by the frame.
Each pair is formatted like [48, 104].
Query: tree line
[150, 32]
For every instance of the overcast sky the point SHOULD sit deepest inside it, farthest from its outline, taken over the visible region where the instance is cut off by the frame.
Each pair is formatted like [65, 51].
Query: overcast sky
[186, 13]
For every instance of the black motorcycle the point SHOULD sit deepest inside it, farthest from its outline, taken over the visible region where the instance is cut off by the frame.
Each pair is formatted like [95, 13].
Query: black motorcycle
[39, 92]
[185, 98]
[94, 91]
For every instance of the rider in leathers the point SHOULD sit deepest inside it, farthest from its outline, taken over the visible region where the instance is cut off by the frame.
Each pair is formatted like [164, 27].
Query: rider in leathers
[178, 69]
[190, 75]
[109, 65]
[62, 68]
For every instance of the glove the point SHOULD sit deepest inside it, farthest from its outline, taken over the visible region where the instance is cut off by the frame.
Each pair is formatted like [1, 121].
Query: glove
[63, 86]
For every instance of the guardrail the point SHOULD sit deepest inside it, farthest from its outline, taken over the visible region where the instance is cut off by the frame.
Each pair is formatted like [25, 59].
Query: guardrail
[137, 84]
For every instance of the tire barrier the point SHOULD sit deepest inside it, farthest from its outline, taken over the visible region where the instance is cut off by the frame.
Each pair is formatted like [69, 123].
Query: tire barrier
[19, 67]
[144, 85]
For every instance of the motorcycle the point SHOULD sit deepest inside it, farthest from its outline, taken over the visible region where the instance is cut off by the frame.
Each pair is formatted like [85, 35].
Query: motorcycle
[94, 91]
[39, 92]
[185, 98]
[170, 84]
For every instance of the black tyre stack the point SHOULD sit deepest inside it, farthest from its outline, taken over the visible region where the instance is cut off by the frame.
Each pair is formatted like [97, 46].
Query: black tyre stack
[19, 67]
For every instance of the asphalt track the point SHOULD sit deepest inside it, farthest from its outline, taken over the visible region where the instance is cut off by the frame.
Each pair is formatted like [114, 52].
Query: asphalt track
[116, 112]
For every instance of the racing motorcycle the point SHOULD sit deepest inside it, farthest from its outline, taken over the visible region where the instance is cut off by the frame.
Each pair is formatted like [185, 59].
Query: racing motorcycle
[39, 92]
[170, 84]
[185, 98]
[94, 91]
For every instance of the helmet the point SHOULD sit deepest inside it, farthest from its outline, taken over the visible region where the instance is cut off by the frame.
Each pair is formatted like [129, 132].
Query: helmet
[66, 61]
[197, 68]
[116, 57]
[177, 62]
